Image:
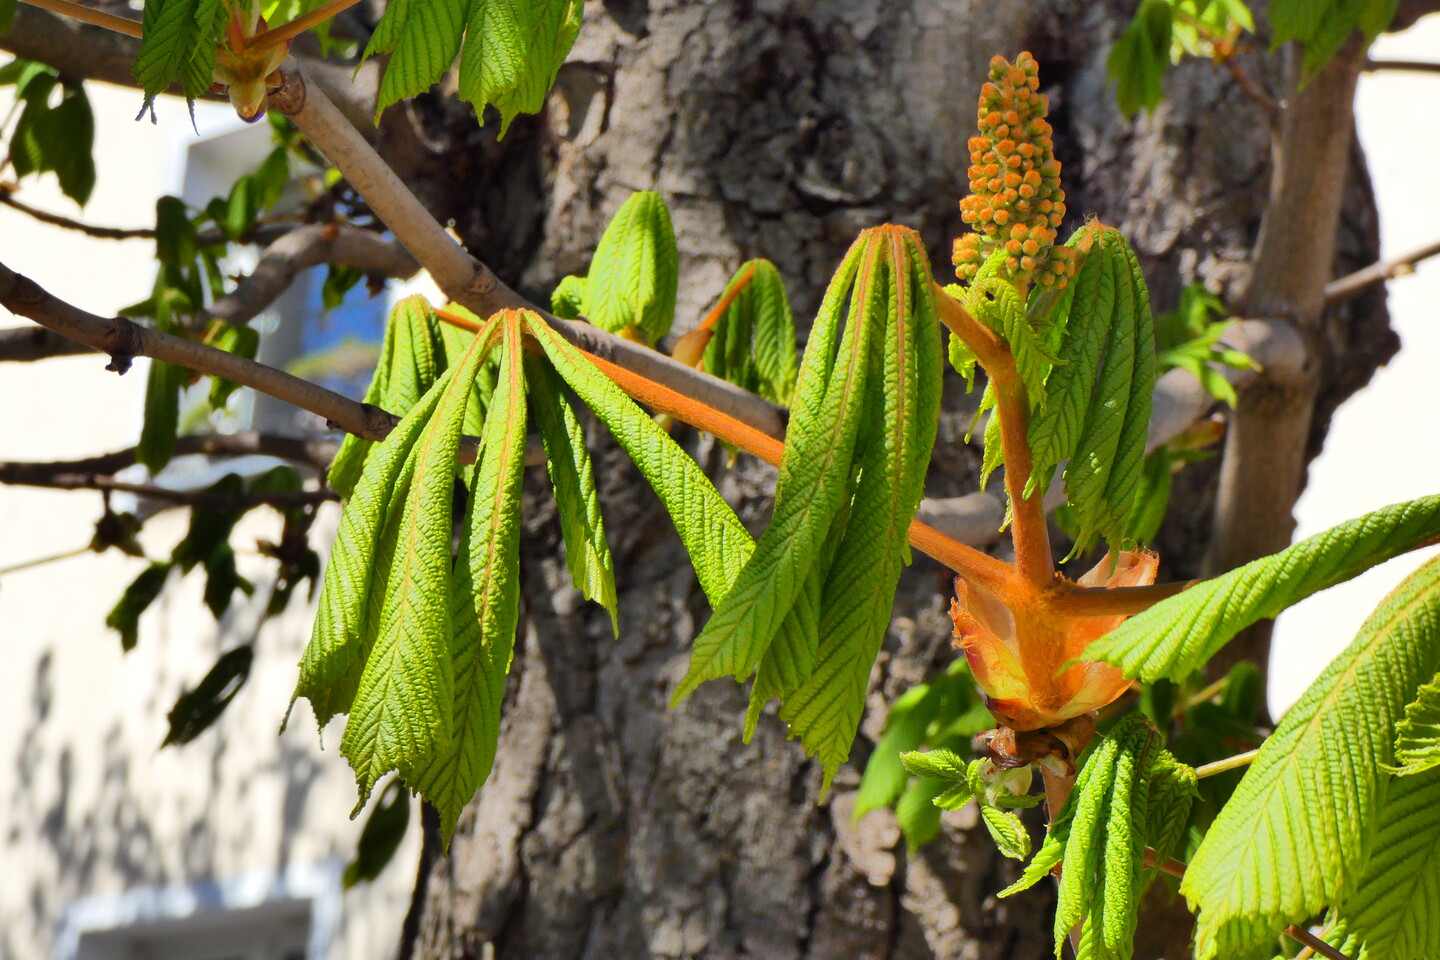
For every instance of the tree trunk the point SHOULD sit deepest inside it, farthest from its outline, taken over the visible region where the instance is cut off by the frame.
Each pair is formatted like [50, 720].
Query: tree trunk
[613, 826]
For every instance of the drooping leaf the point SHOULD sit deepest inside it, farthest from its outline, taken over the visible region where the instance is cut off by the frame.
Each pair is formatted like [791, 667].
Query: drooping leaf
[513, 50]
[633, 278]
[179, 43]
[1323, 26]
[196, 710]
[405, 703]
[381, 836]
[1277, 853]
[124, 617]
[893, 453]
[484, 597]
[1417, 736]
[411, 357]
[815, 474]
[1177, 635]
[232, 338]
[716, 540]
[587, 553]
[423, 39]
[348, 615]
[754, 339]
[210, 524]
[162, 415]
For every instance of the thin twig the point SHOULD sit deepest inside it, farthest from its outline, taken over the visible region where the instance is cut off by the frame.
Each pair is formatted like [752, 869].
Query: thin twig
[1415, 66]
[1351, 284]
[41, 561]
[87, 481]
[90, 15]
[314, 453]
[1072, 600]
[1226, 765]
[54, 219]
[293, 29]
[1301, 935]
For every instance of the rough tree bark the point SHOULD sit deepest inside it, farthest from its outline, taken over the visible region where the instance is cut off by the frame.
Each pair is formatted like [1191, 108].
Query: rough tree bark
[613, 826]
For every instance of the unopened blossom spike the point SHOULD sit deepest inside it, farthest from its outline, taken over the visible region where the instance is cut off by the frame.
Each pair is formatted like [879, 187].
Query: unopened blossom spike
[1015, 200]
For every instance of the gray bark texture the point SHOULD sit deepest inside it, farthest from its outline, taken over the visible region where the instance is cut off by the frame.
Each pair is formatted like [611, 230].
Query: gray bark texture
[614, 826]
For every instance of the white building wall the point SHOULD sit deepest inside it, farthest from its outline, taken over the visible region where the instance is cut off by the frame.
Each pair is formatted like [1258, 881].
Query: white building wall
[90, 808]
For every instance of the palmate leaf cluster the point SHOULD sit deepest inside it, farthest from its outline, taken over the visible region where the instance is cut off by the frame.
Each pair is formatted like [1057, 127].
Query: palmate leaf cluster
[1131, 793]
[808, 612]
[753, 345]
[956, 783]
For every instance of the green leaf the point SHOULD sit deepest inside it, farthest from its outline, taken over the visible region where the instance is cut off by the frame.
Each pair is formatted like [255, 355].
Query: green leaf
[1323, 26]
[716, 540]
[210, 525]
[939, 764]
[885, 774]
[568, 299]
[754, 339]
[179, 43]
[893, 452]
[513, 51]
[405, 703]
[1392, 911]
[636, 269]
[1176, 636]
[1005, 829]
[7, 14]
[347, 618]
[916, 813]
[587, 553]
[815, 474]
[1417, 736]
[124, 617]
[423, 39]
[410, 359]
[196, 710]
[1139, 59]
[162, 415]
[381, 836]
[484, 598]
[1278, 853]
[239, 340]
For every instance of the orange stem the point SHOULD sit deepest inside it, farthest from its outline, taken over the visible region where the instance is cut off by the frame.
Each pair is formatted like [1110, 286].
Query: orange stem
[293, 29]
[741, 282]
[962, 558]
[99, 18]
[1028, 527]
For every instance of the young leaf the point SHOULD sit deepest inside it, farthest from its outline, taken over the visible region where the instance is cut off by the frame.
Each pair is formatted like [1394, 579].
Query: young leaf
[893, 452]
[754, 342]
[1323, 26]
[422, 38]
[348, 615]
[1004, 827]
[162, 414]
[484, 598]
[1277, 853]
[1139, 59]
[885, 774]
[1177, 635]
[1417, 736]
[179, 43]
[513, 50]
[405, 703]
[939, 764]
[916, 813]
[567, 300]
[635, 272]
[411, 356]
[716, 540]
[587, 553]
[815, 473]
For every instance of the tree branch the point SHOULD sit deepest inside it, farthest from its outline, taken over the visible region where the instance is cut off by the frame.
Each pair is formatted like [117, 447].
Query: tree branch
[1416, 66]
[312, 453]
[55, 220]
[1348, 286]
[468, 281]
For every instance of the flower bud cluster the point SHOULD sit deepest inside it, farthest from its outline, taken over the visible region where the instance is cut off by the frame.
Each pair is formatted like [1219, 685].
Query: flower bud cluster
[1015, 200]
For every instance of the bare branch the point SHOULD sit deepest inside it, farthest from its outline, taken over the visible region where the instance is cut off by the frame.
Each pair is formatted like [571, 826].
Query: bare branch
[1362, 279]
[308, 247]
[125, 340]
[1301, 935]
[194, 498]
[28, 344]
[1415, 66]
[467, 280]
[100, 18]
[312, 453]
[55, 220]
